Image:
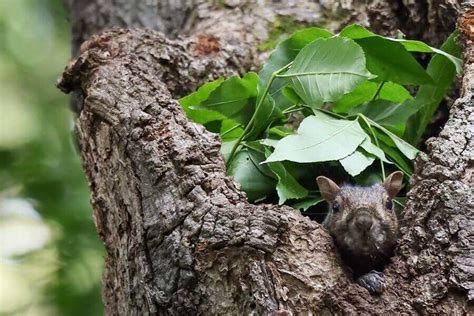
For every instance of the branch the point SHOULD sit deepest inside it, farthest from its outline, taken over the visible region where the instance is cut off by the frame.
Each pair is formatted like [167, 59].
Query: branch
[170, 218]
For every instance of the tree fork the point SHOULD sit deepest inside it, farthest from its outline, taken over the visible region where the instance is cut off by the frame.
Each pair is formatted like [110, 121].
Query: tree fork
[180, 236]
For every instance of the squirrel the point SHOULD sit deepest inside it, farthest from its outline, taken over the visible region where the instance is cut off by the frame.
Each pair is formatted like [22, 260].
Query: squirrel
[364, 226]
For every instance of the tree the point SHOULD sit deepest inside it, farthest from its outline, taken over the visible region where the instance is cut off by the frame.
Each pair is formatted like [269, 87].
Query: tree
[180, 236]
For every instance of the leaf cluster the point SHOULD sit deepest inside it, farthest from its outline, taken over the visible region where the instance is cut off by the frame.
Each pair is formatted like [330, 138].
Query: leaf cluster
[361, 97]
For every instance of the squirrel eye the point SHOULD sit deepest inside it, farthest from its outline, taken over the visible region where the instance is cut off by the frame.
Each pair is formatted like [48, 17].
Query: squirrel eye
[389, 204]
[335, 206]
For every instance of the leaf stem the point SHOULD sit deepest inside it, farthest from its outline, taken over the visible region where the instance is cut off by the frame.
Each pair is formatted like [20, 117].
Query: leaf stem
[399, 203]
[376, 141]
[230, 130]
[331, 113]
[366, 119]
[294, 109]
[257, 108]
[378, 91]
[309, 73]
[290, 109]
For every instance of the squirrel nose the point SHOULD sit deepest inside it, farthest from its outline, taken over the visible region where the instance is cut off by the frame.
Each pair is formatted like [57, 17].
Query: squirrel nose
[364, 222]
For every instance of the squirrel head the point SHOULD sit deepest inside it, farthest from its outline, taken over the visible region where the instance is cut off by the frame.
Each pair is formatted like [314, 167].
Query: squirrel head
[361, 219]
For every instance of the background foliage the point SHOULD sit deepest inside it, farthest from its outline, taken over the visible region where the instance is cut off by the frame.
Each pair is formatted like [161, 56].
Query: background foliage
[50, 255]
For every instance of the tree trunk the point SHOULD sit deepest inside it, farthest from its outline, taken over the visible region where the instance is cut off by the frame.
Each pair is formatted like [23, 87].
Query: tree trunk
[180, 236]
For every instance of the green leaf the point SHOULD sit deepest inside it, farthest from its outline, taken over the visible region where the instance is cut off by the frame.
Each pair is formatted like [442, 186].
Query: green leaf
[230, 130]
[320, 138]
[284, 53]
[234, 98]
[196, 98]
[429, 96]
[327, 69]
[287, 50]
[394, 92]
[307, 203]
[269, 142]
[358, 32]
[417, 46]
[280, 131]
[408, 150]
[266, 114]
[369, 147]
[391, 115]
[378, 110]
[289, 93]
[442, 69]
[390, 61]
[356, 162]
[389, 148]
[226, 148]
[212, 120]
[365, 92]
[287, 186]
[251, 175]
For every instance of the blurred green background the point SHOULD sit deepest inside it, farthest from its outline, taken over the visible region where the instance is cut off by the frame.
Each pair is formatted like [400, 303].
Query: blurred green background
[51, 259]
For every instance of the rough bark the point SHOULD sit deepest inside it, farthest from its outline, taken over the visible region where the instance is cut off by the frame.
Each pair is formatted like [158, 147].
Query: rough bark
[92, 17]
[181, 237]
[431, 21]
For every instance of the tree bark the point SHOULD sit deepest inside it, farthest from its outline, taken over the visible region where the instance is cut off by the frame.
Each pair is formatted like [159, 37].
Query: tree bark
[180, 236]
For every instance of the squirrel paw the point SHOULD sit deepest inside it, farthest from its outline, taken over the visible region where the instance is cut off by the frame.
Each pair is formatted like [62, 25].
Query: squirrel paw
[374, 282]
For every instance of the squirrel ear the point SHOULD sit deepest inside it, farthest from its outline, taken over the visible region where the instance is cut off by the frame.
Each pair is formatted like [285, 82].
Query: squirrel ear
[328, 188]
[393, 183]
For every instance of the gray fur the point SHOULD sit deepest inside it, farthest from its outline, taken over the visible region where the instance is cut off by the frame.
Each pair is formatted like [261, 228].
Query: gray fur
[364, 230]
